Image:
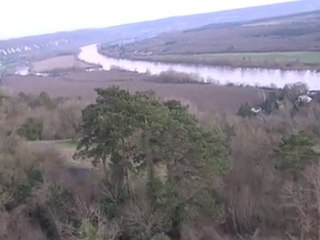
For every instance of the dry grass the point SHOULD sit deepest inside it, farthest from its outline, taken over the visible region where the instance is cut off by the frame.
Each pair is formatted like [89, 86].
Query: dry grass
[60, 62]
[82, 84]
[65, 150]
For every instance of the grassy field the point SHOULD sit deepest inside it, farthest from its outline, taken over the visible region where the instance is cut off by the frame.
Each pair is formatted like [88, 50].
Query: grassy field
[59, 62]
[66, 148]
[247, 59]
[70, 143]
[290, 42]
[281, 57]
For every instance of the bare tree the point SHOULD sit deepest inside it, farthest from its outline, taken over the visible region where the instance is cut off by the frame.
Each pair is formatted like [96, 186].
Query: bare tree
[304, 198]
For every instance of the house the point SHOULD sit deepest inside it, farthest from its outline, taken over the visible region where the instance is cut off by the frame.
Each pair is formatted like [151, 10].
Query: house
[304, 99]
[256, 110]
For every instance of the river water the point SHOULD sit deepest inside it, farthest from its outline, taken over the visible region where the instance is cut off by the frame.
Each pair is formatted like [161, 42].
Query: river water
[223, 75]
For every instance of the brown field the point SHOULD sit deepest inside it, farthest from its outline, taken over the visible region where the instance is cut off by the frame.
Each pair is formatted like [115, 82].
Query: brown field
[60, 62]
[82, 84]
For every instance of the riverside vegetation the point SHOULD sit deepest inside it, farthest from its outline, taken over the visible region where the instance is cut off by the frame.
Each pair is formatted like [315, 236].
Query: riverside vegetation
[160, 170]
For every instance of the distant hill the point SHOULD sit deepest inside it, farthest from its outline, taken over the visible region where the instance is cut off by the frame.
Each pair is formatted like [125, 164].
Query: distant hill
[287, 42]
[298, 32]
[69, 41]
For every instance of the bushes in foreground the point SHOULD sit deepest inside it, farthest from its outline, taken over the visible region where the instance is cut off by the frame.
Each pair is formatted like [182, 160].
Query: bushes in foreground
[162, 174]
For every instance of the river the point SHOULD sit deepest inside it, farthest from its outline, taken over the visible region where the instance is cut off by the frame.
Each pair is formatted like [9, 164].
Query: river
[223, 75]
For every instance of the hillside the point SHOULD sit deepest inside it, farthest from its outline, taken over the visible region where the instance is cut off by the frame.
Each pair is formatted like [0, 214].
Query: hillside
[292, 39]
[100, 148]
[51, 44]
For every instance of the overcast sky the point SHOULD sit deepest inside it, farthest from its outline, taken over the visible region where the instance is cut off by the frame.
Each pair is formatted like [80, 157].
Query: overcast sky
[29, 17]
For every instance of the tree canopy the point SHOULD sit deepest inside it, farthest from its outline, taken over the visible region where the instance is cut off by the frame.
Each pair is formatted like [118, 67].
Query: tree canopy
[132, 134]
[295, 152]
[138, 128]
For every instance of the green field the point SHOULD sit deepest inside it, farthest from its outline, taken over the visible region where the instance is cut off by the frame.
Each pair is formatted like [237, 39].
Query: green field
[285, 60]
[66, 143]
[66, 149]
[302, 57]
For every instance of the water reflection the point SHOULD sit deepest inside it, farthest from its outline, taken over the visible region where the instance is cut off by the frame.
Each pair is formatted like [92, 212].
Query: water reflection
[224, 75]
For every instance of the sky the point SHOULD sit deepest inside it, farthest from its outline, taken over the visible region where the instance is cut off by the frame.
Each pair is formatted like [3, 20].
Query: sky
[30, 17]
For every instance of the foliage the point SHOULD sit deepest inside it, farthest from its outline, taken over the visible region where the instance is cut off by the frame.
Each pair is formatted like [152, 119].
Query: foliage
[160, 236]
[245, 110]
[296, 152]
[271, 103]
[113, 198]
[172, 76]
[31, 129]
[138, 129]
[88, 231]
[44, 99]
[165, 176]
[132, 133]
[293, 91]
[20, 190]
[59, 118]
[59, 199]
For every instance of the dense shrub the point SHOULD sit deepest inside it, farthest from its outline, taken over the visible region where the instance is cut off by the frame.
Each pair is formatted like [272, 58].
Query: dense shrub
[293, 91]
[160, 236]
[57, 118]
[245, 110]
[296, 152]
[172, 76]
[31, 129]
